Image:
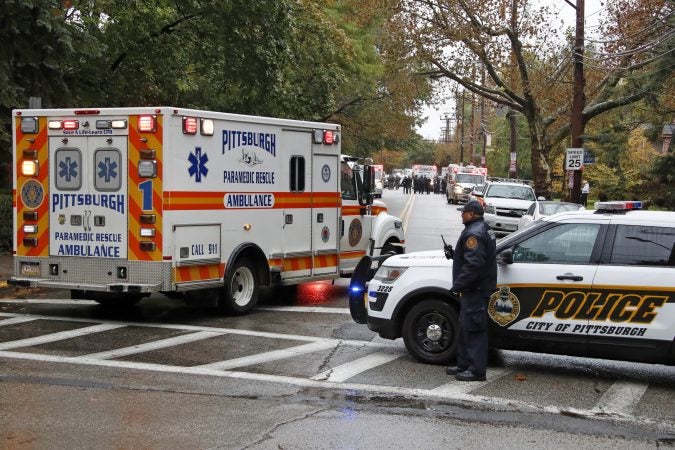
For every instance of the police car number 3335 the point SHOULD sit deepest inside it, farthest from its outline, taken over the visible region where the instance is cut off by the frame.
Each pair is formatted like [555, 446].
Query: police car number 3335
[587, 283]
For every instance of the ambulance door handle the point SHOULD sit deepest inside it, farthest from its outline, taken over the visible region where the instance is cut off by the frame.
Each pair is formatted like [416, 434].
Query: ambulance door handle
[569, 276]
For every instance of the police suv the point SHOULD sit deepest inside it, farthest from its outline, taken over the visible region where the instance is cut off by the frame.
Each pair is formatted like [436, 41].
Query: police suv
[585, 283]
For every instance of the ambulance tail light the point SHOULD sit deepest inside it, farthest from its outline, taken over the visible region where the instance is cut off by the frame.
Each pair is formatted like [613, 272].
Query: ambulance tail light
[29, 125]
[29, 168]
[147, 168]
[328, 137]
[148, 218]
[189, 125]
[55, 124]
[148, 246]
[71, 125]
[147, 123]
[30, 242]
[147, 232]
[207, 127]
[30, 229]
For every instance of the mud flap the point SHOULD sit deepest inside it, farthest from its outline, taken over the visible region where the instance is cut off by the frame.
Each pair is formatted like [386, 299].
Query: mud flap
[357, 290]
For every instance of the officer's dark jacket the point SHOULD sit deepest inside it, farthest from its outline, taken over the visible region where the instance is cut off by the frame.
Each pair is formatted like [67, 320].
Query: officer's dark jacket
[475, 268]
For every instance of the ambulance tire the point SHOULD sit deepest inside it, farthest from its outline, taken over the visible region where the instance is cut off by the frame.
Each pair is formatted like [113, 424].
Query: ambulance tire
[431, 331]
[240, 293]
[388, 250]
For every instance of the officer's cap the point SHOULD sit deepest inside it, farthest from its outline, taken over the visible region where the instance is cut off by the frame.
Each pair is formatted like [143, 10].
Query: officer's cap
[474, 207]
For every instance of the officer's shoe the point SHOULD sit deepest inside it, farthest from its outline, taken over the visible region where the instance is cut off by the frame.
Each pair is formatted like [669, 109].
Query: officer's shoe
[453, 370]
[467, 375]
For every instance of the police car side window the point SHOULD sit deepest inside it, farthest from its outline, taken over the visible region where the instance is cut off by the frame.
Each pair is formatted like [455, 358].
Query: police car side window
[562, 244]
[640, 245]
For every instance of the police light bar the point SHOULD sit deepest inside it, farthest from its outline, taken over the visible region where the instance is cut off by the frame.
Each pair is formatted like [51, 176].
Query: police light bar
[147, 124]
[189, 125]
[618, 205]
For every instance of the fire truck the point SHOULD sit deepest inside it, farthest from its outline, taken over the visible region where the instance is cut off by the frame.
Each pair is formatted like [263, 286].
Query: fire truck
[118, 203]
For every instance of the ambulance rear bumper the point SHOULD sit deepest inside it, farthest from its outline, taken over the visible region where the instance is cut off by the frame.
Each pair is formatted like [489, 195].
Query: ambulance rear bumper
[116, 287]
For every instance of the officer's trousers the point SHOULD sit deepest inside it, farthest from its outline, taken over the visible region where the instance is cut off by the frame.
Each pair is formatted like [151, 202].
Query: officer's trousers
[472, 349]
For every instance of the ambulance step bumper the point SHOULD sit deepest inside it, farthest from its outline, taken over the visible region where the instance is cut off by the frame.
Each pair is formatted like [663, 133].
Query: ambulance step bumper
[131, 288]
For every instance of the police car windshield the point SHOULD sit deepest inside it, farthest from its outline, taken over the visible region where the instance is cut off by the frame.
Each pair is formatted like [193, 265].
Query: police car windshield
[507, 191]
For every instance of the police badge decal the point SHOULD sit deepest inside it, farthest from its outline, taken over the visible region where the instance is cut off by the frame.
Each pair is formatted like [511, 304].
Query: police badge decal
[503, 306]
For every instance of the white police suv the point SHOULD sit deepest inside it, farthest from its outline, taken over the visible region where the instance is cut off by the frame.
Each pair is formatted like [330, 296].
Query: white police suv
[588, 283]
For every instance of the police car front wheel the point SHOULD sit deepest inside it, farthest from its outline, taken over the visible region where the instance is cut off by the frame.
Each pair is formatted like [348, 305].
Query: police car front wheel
[430, 332]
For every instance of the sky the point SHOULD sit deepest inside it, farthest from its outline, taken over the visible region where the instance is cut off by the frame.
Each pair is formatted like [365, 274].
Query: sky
[431, 129]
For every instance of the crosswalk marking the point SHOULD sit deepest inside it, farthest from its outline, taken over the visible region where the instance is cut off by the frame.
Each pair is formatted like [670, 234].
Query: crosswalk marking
[154, 345]
[454, 387]
[59, 336]
[621, 398]
[346, 371]
[15, 320]
[270, 356]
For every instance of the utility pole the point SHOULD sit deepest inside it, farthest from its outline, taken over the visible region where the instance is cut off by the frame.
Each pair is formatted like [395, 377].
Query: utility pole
[482, 120]
[461, 131]
[513, 153]
[578, 122]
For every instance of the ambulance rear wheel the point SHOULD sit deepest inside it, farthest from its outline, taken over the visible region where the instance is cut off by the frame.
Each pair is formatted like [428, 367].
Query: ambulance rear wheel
[240, 293]
[430, 332]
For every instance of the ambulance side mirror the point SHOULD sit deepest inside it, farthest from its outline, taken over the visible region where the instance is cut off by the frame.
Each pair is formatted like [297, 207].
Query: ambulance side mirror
[366, 197]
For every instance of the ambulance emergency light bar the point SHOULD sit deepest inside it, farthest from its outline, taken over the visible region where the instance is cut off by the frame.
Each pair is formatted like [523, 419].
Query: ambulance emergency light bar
[626, 205]
[327, 137]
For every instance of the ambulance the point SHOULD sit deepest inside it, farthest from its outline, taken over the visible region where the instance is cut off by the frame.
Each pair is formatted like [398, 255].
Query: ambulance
[118, 203]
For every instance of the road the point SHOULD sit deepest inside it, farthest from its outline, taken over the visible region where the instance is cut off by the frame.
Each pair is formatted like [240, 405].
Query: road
[298, 374]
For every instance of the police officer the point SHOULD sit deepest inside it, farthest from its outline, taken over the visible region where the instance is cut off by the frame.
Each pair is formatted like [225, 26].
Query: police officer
[474, 279]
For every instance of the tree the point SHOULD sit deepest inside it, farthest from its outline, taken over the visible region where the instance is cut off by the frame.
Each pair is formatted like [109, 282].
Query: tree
[529, 72]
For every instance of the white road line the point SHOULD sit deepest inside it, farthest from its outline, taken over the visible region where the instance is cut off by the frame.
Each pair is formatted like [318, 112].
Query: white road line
[346, 371]
[298, 309]
[455, 387]
[621, 398]
[405, 214]
[18, 319]
[295, 337]
[270, 356]
[509, 404]
[305, 309]
[60, 336]
[154, 345]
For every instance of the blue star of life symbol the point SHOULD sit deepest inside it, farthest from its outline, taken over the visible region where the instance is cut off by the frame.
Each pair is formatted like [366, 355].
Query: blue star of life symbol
[68, 169]
[107, 169]
[198, 164]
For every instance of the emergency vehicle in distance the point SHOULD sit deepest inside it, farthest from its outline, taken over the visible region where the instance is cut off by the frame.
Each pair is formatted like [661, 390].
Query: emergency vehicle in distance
[462, 180]
[587, 283]
[118, 203]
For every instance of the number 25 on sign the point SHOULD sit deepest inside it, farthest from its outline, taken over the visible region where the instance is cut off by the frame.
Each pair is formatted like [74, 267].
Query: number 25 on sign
[574, 159]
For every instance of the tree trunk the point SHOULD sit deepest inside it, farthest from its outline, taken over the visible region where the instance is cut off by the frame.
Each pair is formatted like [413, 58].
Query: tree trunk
[541, 170]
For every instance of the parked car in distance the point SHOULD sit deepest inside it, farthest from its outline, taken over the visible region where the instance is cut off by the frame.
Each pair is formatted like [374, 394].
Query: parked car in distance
[543, 208]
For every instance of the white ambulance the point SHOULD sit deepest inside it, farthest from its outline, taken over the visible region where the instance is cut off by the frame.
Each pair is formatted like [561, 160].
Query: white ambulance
[118, 203]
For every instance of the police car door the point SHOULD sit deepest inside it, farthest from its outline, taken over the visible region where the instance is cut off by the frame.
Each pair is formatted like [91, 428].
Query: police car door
[540, 297]
[88, 201]
[635, 290]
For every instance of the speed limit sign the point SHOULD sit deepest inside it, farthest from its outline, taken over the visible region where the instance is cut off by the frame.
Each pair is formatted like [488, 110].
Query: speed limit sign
[574, 159]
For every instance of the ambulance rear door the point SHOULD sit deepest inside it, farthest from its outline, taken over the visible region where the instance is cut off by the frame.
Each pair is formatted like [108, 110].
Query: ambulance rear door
[88, 196]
